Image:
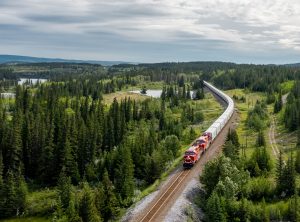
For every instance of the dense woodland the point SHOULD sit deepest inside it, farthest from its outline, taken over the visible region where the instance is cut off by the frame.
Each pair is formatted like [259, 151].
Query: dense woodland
[62, 135]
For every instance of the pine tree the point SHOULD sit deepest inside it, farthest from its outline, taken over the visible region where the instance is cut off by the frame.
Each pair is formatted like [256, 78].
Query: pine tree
[100, 198]
[215, 208]
[15, 150]
[230, 150]
[47, 158]
[70, 167]
[279, 173]
[124, 174]
[88, 210]
[111, 209]
[64, 189]
[9, 208]
[21, 193]
[297, 162]
[14, 195]
[298, 137]
[1, 170]
[2, 187]
[289, 177]
[261, 141]
[233, 137]
[188, 92]
[72, 212]
[171, 143]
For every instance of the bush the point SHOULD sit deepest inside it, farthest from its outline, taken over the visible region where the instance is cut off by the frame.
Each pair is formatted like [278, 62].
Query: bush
[259, 188]
[260, 162]
[198, 117]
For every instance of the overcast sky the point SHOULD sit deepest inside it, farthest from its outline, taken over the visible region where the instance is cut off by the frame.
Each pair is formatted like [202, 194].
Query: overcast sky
[243, 31]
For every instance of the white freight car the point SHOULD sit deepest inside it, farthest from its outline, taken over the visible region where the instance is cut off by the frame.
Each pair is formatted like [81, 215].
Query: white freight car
[219, 124]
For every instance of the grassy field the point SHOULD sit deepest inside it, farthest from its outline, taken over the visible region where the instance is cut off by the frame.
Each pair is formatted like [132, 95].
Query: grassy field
[40, 204]
[109, 98]
[247, 136]
[27, 219]
[287, 86]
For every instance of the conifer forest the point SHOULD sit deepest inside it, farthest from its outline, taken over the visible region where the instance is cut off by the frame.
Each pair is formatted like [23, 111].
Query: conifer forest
[81, 146]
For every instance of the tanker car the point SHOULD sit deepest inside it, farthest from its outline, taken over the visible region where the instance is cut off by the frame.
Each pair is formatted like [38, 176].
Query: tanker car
[201, 144]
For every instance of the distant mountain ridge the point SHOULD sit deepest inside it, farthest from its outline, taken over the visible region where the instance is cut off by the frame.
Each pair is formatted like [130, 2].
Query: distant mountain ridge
[293, 65]
[29, 59]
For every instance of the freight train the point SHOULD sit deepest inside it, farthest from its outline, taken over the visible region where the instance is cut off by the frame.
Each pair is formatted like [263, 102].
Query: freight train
[201, 144]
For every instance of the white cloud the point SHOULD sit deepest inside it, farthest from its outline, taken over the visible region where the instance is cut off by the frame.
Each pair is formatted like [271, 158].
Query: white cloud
[243, 24]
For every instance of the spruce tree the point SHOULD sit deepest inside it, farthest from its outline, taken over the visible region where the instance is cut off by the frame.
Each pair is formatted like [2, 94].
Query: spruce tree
[279, 173]
[64, 189]
[297, 161]
[124, 174]
[72, 212]
[261, 141]
[188, 93]
[15, 150]
[47, 158]
[298, 137]
[111, 209]
[2, 187]
[100, 198]
[9, 208]
[13, 196]
[1, 170]
[289, 181]
[70, 167]
[215, 208]
[230, 150]
[88, 210]
[233, 137]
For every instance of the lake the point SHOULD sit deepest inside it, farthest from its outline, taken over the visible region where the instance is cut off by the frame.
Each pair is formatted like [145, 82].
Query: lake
[34, 81]
[155, 93]
[7, 95]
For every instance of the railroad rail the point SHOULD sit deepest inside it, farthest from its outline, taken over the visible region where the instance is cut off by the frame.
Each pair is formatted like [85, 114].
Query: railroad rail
[175, 185]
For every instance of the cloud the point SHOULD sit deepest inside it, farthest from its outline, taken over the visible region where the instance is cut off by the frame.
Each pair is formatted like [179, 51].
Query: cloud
[132, 29]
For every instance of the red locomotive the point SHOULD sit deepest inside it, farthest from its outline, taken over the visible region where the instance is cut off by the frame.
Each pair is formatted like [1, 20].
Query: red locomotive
[193, 154]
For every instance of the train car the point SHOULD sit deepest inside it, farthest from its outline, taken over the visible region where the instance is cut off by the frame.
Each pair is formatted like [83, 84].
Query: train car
[203, 141]
[201, 144]
[191, 156]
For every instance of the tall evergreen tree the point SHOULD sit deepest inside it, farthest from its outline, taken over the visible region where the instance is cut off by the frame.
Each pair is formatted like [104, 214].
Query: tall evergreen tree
[124, 173]
[215, 208]
[88, 210]
[261, 141]
[111, 209]
[64, 190]
[15, 149]
[279, 173]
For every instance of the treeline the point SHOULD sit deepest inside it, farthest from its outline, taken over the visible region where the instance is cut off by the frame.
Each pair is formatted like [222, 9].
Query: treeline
[291, 113]
[263, 78]
[63, 130]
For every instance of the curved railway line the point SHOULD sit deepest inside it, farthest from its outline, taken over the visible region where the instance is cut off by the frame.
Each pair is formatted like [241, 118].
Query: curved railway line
[158, 208]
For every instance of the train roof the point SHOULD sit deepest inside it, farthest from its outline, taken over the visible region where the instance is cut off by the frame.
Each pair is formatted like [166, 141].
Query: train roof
[191, 149]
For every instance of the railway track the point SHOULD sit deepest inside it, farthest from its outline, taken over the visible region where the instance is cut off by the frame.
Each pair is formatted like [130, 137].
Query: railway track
[166, 195]
[158, 208]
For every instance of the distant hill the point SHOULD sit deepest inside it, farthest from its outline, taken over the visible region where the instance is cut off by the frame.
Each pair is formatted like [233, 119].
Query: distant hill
[293, 65]
[28, 59]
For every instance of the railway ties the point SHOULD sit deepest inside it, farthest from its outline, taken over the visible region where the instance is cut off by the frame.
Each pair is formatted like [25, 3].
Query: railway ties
[154, 210]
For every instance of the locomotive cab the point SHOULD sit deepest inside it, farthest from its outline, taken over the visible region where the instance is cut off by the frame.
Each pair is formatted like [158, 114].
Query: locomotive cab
[189, 159]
